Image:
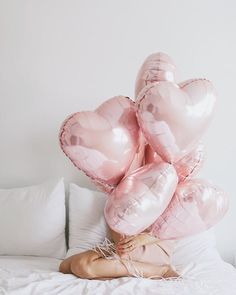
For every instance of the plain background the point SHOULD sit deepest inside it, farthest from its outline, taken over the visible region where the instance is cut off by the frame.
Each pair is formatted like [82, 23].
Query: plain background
[59, 57]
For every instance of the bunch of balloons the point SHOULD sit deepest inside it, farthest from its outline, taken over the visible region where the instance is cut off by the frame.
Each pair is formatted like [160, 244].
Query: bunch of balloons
[144, 153]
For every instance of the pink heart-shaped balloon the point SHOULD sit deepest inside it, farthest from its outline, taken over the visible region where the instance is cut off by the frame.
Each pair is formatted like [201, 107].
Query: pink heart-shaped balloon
[186, 167]
[196, 206]
[156, 67]
[102, 143]
[173, 118]
[140, 198]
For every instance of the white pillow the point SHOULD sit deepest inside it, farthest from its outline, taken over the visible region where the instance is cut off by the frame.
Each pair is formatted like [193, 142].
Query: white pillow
[87, 225]
[32, 220]
[197, 248]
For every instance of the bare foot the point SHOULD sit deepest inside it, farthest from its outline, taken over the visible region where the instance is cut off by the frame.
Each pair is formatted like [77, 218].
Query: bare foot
[171, 273]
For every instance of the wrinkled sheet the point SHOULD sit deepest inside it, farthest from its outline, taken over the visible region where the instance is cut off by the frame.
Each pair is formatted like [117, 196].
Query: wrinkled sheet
[21, 275]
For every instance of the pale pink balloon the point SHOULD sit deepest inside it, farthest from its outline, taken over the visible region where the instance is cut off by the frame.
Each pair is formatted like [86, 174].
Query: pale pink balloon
[196, 206]
[140, 198]
[191, 163]
[186, 167]
[174, 118]
[102, 143]
[157, 67]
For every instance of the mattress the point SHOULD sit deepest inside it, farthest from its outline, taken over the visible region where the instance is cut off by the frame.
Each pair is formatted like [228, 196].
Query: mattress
[23, 275]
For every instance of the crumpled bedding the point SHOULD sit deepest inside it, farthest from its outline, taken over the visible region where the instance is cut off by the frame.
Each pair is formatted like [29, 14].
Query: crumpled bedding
[21, 275]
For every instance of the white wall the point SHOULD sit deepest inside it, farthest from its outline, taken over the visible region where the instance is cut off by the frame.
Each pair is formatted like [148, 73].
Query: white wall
[62, 56]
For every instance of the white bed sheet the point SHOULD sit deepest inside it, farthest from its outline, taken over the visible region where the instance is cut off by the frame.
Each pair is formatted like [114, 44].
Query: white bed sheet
[21, 275]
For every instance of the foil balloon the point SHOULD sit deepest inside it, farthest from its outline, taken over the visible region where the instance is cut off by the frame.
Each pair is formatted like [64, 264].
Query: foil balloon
[173, 118]
[196, 206]
[157, 67]
[186, 167]
[103, 143]
[191, 163]
[140, 198]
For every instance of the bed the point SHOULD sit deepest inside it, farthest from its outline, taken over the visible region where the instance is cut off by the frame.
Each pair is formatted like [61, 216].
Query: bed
[22, 275]
[33, 244]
